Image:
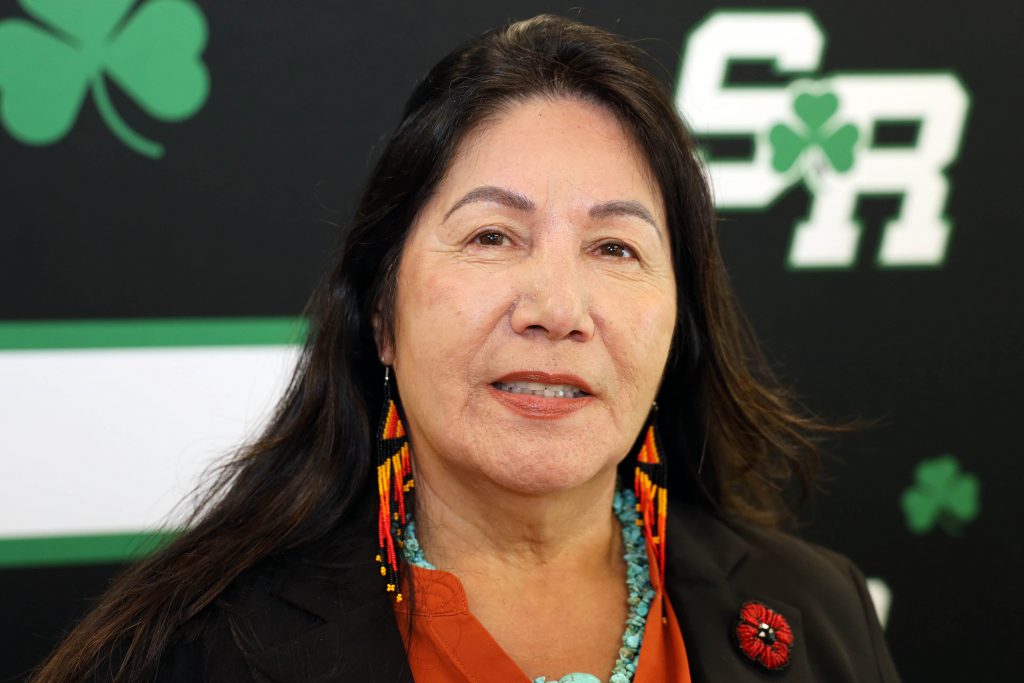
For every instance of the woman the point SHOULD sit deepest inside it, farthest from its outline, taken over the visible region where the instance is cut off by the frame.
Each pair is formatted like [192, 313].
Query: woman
[533, 270]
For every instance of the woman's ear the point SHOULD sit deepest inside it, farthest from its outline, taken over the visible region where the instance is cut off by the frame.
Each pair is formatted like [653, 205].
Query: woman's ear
[384, 350]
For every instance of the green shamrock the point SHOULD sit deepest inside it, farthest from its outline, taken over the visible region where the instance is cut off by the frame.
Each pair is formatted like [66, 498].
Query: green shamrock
[814, 111]
[941, 495]
[153, 56]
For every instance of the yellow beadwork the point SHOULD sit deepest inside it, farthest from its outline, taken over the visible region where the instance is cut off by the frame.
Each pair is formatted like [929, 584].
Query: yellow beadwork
[652, 498]
[394, 480]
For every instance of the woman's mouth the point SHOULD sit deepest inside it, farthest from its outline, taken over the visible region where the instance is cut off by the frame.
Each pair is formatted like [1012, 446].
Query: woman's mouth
[542, 395]
[540, 389]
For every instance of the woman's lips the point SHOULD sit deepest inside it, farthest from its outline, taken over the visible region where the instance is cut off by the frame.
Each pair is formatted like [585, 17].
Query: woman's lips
[566, 393]
[551, 379]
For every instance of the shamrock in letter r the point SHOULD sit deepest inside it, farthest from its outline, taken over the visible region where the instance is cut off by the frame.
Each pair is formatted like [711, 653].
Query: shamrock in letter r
[152, 55]
[815, 112]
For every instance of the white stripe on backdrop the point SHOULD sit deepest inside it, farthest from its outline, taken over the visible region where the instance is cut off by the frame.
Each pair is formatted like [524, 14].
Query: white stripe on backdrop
[111, 440]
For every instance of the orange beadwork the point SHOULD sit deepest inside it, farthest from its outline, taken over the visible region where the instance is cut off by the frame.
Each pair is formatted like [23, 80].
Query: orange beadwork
[394, 480]
[650, 488]
[649, 451]
[393, 428]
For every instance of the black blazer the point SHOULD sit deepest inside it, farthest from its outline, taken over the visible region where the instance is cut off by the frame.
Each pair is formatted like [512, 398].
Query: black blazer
[304, 618]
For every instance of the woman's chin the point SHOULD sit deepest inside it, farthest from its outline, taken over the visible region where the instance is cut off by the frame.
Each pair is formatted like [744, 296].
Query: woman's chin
[546, 475]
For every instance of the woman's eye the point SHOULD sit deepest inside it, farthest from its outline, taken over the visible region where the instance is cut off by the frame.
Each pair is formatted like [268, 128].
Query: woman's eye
[616, 250]
[491, 239]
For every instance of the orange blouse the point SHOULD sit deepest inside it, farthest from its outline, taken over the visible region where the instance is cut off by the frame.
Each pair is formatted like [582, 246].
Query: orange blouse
[448, 644]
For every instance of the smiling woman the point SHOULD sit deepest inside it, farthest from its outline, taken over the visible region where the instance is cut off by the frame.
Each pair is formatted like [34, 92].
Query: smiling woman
[532, 270]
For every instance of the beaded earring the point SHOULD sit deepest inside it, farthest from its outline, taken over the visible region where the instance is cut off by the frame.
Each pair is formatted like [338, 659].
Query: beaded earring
[394, 480]
[650, 485]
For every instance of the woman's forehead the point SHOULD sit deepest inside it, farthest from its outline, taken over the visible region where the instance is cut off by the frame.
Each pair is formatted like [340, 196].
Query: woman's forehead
[553, 149]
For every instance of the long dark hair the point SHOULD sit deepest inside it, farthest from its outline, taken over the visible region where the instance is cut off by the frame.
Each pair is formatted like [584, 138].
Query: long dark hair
[736, 443]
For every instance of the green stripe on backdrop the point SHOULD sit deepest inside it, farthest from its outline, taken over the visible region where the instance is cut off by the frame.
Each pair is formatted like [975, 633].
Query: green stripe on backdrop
[149, 332]
[98, 549]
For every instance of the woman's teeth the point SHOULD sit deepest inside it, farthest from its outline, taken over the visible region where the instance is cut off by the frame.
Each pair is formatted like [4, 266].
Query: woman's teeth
[538, 389]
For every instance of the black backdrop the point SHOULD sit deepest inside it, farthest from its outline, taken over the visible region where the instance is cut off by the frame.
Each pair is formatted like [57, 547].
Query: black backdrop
[238, 216]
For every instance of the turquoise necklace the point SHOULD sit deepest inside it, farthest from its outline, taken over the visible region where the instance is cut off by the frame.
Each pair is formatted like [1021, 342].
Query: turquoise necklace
[638, 581]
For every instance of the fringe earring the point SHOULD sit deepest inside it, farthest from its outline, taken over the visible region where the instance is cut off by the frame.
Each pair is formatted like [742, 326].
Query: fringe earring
[394, 480]
[650, 485]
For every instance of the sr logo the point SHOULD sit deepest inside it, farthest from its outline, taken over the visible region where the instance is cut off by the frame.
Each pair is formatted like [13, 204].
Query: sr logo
[824, 131]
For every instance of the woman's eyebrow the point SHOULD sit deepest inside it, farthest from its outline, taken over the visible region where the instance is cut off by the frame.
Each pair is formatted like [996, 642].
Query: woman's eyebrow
[520, 202]
[625, 207]
[494, 195]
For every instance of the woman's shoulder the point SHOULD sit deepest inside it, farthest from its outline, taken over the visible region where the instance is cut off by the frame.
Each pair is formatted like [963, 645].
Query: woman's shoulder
[719, 544]
[302, 616]
[810, 565]
[722, 564]
[226, 640]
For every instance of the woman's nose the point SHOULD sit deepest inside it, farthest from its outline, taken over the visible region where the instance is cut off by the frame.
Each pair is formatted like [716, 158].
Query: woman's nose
[553, 300]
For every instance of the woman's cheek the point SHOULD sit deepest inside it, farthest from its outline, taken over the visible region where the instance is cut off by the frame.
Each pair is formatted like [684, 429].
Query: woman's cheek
[640, 334]
[455, 310]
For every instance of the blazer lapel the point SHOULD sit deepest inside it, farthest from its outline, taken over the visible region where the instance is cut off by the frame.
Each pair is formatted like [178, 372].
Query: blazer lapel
[359, 638]
[704, 555]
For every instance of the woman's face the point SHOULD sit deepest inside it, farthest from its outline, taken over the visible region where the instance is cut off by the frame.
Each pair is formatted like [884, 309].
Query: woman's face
[542, 261]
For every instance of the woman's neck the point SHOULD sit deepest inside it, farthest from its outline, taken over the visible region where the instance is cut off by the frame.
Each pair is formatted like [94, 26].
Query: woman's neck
[477, 528]
[544, 574]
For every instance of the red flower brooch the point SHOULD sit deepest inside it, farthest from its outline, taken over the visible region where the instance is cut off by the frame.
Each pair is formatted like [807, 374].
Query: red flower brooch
[764, 636]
